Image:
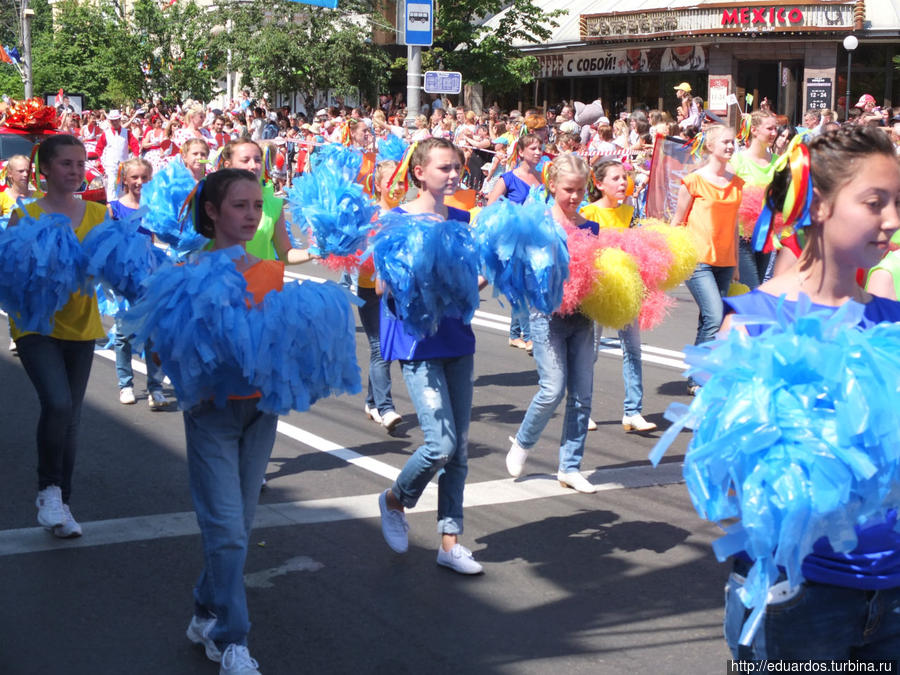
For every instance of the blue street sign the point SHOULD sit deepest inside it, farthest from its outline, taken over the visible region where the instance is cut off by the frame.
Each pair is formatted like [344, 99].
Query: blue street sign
[419, 23]
[443, 82]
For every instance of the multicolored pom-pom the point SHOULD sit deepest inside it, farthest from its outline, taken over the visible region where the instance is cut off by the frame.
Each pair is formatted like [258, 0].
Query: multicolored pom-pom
[684, 252]
[615, 297]
[523, 254]
[41, 264]
[795, 436]
[430, 266]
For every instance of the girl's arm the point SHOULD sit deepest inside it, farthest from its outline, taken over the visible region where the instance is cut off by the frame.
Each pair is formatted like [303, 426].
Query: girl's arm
[282, 241]
[881, 283]
[682, 207]
[498, 191]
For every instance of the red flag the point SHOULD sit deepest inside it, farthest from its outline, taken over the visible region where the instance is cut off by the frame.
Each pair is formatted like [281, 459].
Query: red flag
[59, 97]
[4, 56]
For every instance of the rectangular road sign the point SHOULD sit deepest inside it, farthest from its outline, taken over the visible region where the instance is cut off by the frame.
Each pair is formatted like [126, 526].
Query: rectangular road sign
[443, 82]
[419, 23]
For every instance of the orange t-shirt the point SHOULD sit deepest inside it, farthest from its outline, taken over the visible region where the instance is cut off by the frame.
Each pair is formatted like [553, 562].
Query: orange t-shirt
[366, 169]
[712, 219]
[264, 276]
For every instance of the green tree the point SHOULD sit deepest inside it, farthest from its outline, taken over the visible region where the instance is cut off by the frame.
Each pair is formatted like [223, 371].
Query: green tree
[487, 55]
[283, 47]
[178, 54]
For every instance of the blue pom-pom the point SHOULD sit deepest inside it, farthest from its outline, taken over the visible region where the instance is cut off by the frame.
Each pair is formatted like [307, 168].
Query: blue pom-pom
[430, 267]
[333, 208]
[164, 196]
[196, 316]
[523, 254]
[795, 435]
[306, 337]
[391, 148]
[120, 256]
[41, 265]
[346, 160]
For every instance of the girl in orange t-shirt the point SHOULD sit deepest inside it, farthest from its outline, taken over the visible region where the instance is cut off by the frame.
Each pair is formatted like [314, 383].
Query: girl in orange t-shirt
[708, 204]
[228, 448]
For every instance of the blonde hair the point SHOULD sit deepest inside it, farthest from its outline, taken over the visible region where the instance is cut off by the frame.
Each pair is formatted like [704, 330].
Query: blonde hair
[193, 141]
[568, 163]
[714, 132]
[388, 167]
[5, 173]
[757, 117]
[129, 164]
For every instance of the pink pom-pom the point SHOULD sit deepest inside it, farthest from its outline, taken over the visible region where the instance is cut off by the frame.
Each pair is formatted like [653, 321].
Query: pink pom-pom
[342, 263]
[654, 309]
[752, 197]
[583, 249]
[649, 249]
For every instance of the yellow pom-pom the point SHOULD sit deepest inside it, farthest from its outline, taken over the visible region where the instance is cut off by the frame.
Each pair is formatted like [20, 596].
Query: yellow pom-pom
[615, 299]
[737, 288]
[684, 253]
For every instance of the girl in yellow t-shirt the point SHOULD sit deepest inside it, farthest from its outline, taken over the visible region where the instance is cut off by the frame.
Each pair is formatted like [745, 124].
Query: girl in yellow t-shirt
[59, 363]
[611, 179]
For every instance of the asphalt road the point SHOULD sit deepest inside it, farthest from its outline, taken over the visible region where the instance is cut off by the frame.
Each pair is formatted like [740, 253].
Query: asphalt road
[620, 581]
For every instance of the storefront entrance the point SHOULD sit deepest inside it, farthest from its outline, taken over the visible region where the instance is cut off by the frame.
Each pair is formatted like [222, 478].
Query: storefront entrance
[778, 82]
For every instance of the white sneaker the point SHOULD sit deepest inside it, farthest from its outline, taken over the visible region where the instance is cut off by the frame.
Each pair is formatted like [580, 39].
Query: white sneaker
[592, 425]
[390, 420]
[393, 526]
[236, 660]
[574, 480]
[70, 528]
[157, 400]
[515, 458]
[198, 633]
[50, 507]
[459, 559]
[636, 422]
[372, 414]
[126, 396]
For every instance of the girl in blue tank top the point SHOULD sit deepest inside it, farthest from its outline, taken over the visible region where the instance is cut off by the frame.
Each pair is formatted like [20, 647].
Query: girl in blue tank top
[438, 374]
[849, 604]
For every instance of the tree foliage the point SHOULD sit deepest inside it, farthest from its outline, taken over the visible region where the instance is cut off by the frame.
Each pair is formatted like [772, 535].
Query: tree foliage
[283, 46]
[487, 55]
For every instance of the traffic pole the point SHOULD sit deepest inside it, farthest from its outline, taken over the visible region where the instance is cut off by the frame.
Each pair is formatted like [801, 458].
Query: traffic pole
[413, 84]
[27, 14]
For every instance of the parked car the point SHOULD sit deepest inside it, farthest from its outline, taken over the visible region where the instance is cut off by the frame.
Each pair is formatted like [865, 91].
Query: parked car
[18, 142]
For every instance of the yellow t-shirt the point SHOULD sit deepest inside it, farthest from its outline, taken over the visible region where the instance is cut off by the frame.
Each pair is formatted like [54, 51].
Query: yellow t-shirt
[619, 217]
[79, 319]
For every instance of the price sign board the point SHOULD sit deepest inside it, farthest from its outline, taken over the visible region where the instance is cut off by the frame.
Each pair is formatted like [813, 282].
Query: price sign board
[443, 82]
[818, 92]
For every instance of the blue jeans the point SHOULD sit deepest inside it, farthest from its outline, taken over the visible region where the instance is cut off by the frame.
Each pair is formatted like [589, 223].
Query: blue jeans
[751, 264]
[59, 371]
[519, 327]
[708, 285]
[564, 355]
[632, 372]
[379, 395]
[227, 450]
[441, 391]
[819, 622]
[124, 372]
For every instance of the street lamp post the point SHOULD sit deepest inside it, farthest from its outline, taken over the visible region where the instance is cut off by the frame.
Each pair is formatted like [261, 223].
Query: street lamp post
[850, 43]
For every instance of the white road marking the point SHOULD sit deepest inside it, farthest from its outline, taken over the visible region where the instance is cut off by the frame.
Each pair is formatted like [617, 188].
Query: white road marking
[316, 511]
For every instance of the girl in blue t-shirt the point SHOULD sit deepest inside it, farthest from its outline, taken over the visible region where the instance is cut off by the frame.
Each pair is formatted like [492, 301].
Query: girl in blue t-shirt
[849, 604]
[438, 372]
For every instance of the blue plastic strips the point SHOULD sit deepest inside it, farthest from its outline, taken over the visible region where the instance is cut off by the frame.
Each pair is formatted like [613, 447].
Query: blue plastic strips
[430, 266]
[41, 265]
[795, 435]
[164, 196]
[523, 254]
[391, 148]
[120, 256]
[329, 203]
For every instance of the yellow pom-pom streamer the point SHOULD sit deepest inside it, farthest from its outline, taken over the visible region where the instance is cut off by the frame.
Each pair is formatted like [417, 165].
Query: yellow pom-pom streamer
[615, 299]
[684, 251]
[737, 288]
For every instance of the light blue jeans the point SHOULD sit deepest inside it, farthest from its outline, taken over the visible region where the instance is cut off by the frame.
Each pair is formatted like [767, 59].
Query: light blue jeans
[379, 394]
[227, 450]
[632, 372]
[519, 327]
[124, 372]
[441, 391]
[564, 354]
[708, 285]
